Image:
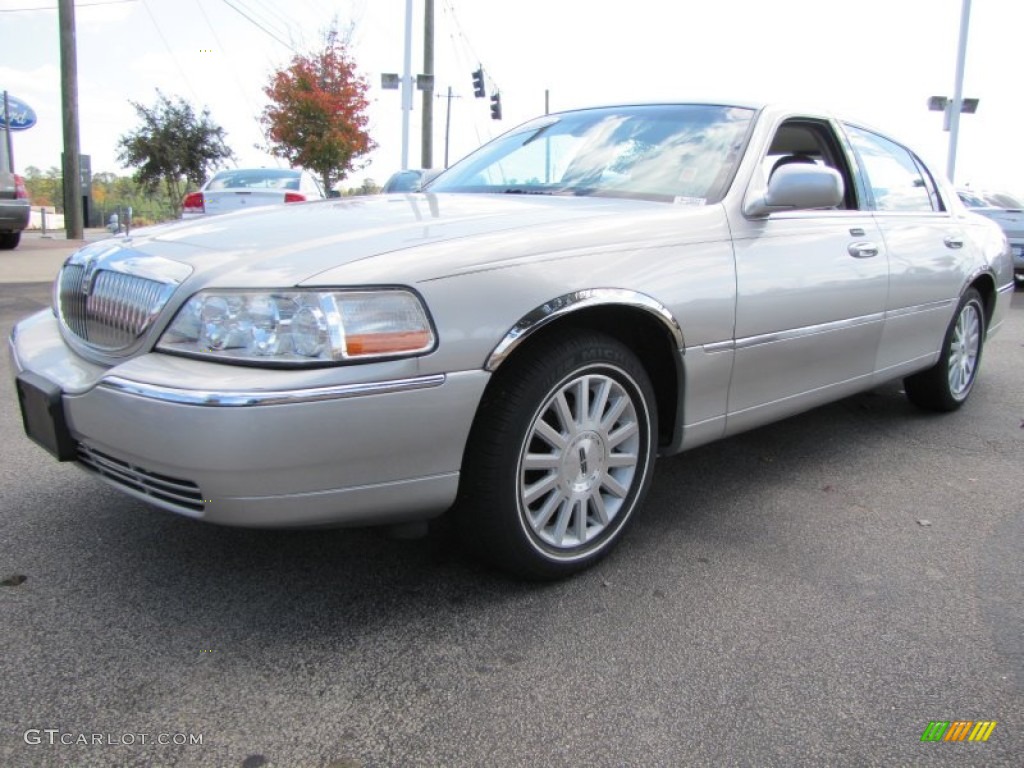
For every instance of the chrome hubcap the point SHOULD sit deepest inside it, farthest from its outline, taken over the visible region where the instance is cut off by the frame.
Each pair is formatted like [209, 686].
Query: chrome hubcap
[579, 461]
[963, 350]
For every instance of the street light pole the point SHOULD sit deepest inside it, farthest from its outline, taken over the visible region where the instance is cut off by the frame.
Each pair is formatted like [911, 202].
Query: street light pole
[407, 85]
[958, 89]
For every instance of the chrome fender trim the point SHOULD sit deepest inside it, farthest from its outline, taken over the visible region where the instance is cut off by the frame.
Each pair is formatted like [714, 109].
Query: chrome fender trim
[573, 302]
[241, 399]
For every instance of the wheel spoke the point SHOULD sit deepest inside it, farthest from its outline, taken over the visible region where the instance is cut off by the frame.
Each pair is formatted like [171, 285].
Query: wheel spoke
[565, 414]
[613, 415]
[597, 502]
[542, 461]
[614, 486]
[581, 520]
[564, 515]
[623, 433]
[600, 402]
[533, 492]
[622, 460]
[540, 520]
[554, 438]
[583, 401]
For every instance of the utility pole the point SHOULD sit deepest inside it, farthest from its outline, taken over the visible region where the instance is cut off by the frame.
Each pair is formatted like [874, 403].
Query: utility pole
[69, 107]
[958, 89]
[427, 137]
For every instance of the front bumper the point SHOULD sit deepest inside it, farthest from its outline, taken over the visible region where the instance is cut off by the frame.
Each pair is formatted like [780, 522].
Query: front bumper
[351, 453]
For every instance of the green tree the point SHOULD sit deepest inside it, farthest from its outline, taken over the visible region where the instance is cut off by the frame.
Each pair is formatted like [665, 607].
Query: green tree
[173, 146]
[317, 116]
[45, 188]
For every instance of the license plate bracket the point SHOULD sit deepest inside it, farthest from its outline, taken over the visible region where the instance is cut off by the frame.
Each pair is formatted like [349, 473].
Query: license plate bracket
[42, 413]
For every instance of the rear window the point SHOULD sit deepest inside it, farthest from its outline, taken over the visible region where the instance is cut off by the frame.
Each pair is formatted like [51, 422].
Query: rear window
[261, 178]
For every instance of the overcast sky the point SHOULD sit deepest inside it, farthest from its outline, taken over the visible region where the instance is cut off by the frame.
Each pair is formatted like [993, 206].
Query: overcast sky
[877, 61]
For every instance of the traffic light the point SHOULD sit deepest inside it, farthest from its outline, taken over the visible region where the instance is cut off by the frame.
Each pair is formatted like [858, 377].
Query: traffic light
[478, 84]
[496, 107]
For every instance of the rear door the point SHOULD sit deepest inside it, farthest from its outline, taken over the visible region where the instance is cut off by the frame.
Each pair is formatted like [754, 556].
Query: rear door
[930, 252]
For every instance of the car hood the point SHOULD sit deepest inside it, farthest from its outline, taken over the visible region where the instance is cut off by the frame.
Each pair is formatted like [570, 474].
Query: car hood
[301, 243]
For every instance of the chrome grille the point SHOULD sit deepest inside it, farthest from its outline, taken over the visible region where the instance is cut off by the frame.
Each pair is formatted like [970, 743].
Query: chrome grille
[172, 491]
[116, 311]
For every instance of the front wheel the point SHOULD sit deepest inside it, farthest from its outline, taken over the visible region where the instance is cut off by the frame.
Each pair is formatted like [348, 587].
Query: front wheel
[560, 456]
[946, 385]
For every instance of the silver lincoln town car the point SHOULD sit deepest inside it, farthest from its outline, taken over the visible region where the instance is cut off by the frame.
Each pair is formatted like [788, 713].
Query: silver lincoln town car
[515, 344]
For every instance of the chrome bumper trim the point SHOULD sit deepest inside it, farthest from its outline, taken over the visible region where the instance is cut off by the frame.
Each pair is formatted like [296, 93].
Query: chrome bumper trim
[255, 398]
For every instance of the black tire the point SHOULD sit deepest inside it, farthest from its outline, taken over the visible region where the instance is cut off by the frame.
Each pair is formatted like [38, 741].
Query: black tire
[947, 384]
[542, 510]
[9, 240]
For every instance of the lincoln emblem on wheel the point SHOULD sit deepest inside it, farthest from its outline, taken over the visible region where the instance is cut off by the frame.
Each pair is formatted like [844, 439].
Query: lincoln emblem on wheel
[513, 348]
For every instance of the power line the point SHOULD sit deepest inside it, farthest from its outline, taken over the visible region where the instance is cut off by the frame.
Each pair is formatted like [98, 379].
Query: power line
[260, 26]
[271, 13]
[167, 45]
[234, 72]
[77, 5]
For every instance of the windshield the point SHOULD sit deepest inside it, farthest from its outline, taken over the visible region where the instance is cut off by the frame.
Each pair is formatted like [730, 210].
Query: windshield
[675, 153]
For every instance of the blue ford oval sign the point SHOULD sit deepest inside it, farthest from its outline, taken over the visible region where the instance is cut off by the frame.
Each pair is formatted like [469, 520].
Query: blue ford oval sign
[20, 116]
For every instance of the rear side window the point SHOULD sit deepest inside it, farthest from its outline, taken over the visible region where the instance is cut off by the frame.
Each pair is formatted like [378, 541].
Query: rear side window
[896, 179]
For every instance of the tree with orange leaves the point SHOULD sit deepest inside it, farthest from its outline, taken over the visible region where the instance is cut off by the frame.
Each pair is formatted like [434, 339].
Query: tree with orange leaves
[317, 116]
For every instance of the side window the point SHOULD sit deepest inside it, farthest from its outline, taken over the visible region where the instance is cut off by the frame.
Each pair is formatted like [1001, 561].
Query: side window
[809, 141]
[896, 179]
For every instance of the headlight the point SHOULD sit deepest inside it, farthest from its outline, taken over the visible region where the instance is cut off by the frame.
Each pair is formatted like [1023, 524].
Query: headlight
[300, 327]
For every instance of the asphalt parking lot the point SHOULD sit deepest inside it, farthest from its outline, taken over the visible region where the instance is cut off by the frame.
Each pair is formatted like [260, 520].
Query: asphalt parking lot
[811, 593]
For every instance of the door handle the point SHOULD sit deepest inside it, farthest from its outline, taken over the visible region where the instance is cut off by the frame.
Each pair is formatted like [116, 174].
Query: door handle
[954, 242]
[864, 250]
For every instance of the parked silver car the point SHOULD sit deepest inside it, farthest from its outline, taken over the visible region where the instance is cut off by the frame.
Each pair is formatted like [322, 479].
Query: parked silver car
[1008, 212]
[588, 291]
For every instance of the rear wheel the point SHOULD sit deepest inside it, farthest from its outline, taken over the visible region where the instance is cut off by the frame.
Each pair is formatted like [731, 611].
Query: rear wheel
[559, 457]
[946, 385]
[9, 240]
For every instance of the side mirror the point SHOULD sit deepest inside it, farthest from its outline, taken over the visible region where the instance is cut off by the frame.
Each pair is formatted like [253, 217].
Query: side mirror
[797, 187]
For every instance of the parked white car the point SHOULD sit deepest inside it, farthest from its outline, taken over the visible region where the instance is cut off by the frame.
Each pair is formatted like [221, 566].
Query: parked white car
[590, 290]
[243, 188]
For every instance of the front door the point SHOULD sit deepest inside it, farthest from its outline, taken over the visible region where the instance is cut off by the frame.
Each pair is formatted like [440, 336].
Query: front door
[811, 292]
